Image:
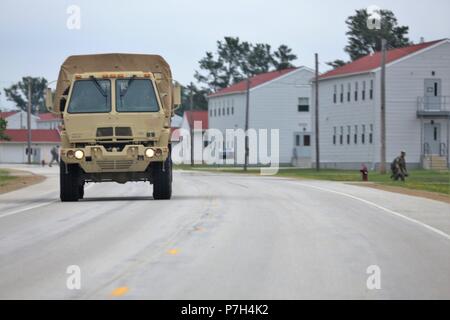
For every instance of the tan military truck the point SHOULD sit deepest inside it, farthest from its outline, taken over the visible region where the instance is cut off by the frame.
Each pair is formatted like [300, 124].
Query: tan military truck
[116, 111]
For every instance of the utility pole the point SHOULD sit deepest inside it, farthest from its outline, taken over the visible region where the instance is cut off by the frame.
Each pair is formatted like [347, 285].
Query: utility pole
[317, 114]
[29, 122]
[247, 107]
[383, 108]
[191, 107]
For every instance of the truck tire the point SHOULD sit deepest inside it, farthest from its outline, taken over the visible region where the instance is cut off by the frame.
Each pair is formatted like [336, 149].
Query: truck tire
[81, 191]
[69, 182]
[162, 179]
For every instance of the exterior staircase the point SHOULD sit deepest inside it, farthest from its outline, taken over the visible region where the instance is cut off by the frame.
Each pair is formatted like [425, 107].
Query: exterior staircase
[436, 163]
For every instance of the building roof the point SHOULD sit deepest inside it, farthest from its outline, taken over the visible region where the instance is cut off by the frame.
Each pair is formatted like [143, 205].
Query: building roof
[48, 117]
[373, 61]
[197, 116]
[255, 81]
[37, 135]
[7, 114]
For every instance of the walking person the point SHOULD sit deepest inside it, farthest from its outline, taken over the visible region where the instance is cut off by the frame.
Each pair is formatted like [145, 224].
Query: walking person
[55, 155]
[398, 167]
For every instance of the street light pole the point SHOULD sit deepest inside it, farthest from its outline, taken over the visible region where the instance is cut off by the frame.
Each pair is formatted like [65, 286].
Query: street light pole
[383, 108]
[317, 114]
[29, 122]
[247, 106]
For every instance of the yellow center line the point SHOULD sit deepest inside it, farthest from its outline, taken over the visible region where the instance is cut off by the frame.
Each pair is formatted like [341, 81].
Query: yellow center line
[118, 292]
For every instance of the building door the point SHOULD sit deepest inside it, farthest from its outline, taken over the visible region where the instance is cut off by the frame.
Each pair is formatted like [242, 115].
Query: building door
[432, 138]
[432, 97]
[302, 145]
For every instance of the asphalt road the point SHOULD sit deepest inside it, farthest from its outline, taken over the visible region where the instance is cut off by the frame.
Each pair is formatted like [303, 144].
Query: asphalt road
[223, 236]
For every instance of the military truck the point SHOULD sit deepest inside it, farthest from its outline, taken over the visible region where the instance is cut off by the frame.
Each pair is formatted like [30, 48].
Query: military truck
[116, 111]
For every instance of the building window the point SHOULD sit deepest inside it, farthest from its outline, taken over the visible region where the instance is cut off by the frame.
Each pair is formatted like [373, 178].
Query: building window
[228, 111]
[349, 92]
[215, 113]
[342, 93]
[232, 110]
[355, 136]
[363, 134]
[371, 134]
[356, 91]
[348, 134]
[363, 93]
[303, 104]
[210, 113]
[306, 140]
[219, 112]
[223, 111]
[341, 137]
[334, 135]
[297, 140]
[335, 94]
[371, 90]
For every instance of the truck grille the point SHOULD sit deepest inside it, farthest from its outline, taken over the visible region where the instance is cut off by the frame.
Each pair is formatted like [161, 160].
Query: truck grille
[104, 132]
[115, 164]
[123, 132]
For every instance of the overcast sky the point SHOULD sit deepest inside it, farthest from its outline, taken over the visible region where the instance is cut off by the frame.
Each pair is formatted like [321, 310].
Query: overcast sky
[35, 39]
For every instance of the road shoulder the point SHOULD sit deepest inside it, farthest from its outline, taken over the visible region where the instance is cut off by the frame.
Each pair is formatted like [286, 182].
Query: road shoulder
[18, 179]
[410, 192]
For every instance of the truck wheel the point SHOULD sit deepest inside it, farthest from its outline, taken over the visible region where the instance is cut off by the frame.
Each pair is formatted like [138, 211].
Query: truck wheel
[81, 191]
[69, 182]
[162, 179]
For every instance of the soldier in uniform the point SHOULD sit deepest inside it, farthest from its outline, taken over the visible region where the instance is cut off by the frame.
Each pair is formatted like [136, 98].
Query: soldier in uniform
[398, 167]
[55, 156]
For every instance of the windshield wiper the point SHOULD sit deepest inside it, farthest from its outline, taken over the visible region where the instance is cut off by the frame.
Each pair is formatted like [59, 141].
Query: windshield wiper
[124, 92]
[98, 86]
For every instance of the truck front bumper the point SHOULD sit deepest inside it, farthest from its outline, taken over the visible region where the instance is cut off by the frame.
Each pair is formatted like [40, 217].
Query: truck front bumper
[96, 159]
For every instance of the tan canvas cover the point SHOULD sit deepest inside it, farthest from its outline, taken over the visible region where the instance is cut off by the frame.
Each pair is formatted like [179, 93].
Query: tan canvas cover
[113, 62]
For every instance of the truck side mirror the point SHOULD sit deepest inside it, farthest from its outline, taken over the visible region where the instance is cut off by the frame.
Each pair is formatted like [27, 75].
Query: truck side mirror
[62, 104]
[49, 99]
[176, 94]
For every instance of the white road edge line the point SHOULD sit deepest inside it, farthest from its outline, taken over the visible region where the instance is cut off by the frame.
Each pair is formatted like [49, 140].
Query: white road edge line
[26, 209]
[32, 207]
[440, 232]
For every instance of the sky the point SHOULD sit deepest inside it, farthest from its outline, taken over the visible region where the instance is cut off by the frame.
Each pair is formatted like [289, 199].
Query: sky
[35, 38]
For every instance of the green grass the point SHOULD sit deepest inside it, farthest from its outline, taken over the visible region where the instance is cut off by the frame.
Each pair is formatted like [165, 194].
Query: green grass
[5, 177]
[432, 181]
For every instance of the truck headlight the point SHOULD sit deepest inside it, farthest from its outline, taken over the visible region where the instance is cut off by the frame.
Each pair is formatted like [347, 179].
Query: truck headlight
[149, 153]
[79, 154]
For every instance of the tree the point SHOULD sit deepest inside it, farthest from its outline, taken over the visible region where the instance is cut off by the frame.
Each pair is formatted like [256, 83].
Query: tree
[337, 63]
[199, 101]
[3, 124]
[284, 57]
[259, 59]
[236, 60]
[363, 41]
[18, 93]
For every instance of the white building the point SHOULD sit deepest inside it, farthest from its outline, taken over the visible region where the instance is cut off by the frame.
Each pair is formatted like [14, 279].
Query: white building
[18, 119]
[417, 108]
[44, 136]
[278, 100]
[15, 149]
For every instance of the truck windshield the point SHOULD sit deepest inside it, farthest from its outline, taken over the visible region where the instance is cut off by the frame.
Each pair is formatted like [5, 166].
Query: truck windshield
[135, 95]
[90, 96]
